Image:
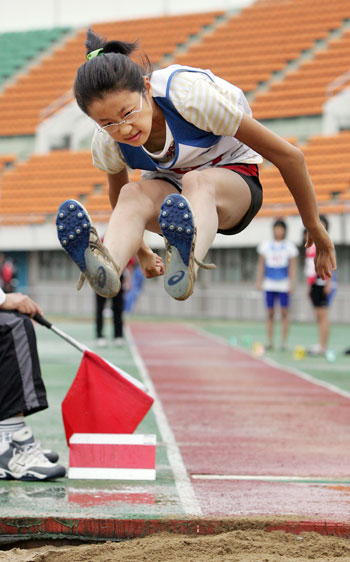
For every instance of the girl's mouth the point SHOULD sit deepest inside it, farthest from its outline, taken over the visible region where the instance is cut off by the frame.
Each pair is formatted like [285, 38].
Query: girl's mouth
[134, 138]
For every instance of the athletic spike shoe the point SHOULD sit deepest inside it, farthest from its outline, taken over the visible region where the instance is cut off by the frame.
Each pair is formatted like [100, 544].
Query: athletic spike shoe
[28, 463]
[79, 238]
[178, 228]
[25, 436]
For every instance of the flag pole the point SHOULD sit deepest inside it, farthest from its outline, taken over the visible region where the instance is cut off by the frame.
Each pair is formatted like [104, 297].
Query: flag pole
[44, 322]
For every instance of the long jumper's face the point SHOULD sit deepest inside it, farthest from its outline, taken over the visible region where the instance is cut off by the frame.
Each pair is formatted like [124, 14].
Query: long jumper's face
[126, 116]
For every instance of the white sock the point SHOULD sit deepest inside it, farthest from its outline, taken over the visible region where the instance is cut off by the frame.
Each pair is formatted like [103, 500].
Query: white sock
[8, 426]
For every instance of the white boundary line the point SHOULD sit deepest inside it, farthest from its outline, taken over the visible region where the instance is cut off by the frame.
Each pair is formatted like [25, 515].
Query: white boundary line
[275, 364]
[182, 481]
[266, 478]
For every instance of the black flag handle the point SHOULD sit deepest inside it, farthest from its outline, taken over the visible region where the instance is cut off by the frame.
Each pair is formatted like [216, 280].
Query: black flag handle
[41, 320]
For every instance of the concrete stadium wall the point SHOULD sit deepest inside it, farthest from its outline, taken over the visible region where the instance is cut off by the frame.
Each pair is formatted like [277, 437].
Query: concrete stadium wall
[15, 16]
[233, 302]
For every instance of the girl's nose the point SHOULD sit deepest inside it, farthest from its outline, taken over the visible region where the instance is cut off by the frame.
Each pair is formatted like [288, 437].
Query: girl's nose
[125, 129]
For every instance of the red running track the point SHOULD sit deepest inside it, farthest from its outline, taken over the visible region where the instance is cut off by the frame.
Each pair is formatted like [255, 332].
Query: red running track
[234, 414]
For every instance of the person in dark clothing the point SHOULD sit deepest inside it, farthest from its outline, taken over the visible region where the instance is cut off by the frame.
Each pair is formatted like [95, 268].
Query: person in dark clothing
[117, 305]
[22, 392]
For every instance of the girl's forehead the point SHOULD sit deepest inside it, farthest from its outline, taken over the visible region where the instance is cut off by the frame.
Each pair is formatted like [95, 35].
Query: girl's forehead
[114, 101]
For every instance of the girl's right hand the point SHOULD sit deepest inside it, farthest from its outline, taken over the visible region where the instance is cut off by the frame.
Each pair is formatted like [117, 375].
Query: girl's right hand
[151, 264]
[325, 261]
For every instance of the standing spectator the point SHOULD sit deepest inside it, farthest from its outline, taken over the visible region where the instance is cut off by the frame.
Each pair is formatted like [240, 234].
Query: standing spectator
[321, 293]
[276, 276]
[134, 285]
[7, 274]
[117, 305]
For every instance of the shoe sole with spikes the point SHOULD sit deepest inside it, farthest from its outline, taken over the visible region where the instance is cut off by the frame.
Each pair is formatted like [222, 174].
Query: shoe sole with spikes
[177, 225]
[79, 238]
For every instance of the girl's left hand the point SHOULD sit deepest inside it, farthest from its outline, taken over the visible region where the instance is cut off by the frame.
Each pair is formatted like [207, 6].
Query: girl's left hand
[325, 261]
[151, 264]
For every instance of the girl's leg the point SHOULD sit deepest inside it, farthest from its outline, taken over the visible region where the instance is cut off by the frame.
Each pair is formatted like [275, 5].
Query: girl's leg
[137, 210]
[219, 198]
[323, 325]
[270, 326]
[285, 325]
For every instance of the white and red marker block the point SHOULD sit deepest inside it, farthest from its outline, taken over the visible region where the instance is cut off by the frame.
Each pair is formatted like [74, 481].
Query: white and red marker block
[107, 456]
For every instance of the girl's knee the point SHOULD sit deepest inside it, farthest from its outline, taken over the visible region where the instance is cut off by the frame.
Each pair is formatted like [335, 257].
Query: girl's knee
[135, 198]
[131, 190]
[196, 180]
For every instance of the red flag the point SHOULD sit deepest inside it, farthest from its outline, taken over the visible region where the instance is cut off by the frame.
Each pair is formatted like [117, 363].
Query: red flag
[101, 400]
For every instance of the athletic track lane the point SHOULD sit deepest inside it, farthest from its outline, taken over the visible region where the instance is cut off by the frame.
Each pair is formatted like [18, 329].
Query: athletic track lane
[235, 415]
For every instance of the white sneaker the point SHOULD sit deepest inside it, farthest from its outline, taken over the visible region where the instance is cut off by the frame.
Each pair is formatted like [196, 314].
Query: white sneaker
[316, 350]
[28, 461]
[25, 436]
[119, 342]
[101, 342]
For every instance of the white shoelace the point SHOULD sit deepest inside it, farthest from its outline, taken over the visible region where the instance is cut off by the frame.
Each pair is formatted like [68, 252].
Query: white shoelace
[31, 452]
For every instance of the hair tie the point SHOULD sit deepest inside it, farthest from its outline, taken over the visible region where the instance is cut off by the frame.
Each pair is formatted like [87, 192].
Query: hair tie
[94, 54]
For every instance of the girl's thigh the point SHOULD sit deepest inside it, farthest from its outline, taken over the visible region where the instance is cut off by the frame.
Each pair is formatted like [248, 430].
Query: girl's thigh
[232, 193]
[153, 192]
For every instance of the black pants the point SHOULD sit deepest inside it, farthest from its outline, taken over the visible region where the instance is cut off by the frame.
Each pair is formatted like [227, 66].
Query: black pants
[22, 389]
[117, 309]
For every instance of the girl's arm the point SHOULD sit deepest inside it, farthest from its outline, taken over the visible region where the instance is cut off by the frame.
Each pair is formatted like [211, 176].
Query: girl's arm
[291, 163]
[115, 183]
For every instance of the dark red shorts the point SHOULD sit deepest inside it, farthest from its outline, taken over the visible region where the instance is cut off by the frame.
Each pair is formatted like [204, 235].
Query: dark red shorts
[250, 174]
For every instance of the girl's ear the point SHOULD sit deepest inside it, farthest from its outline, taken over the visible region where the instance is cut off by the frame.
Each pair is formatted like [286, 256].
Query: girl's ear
[147, 85]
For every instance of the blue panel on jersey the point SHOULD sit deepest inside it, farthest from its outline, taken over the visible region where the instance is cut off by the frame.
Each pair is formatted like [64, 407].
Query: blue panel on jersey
[276, 272]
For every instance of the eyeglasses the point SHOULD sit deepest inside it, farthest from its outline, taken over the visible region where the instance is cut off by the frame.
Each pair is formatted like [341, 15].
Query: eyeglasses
[112, 128]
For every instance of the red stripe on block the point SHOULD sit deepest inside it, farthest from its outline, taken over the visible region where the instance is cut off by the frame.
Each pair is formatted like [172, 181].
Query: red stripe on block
[87, 499]
[112, 456]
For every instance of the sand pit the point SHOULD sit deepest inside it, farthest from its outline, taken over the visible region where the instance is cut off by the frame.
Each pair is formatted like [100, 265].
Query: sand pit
[254, 545]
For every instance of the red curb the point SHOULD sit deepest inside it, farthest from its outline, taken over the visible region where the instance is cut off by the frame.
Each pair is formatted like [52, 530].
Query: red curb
[121, 529]
[321, 527]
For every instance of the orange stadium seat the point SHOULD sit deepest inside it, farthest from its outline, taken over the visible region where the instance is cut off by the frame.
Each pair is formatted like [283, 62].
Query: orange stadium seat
[329, 167]
[38, 186]
[266, 35]
[246, 49]
[23, 101]
[307, 84]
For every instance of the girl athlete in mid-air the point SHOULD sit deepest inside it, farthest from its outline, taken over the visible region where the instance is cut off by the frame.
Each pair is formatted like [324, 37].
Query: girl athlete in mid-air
[193, 136]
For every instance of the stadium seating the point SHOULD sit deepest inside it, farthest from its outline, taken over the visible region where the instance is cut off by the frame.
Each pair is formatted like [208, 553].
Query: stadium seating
[328, 162]
[7, 161]
[250, 47]
[304, 91]
[23, 47]
[245, 49]
[22, 103]
[33, 190]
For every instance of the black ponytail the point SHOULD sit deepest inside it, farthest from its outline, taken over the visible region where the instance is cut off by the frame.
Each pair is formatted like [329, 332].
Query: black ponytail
[94, 42]
[111, 70]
